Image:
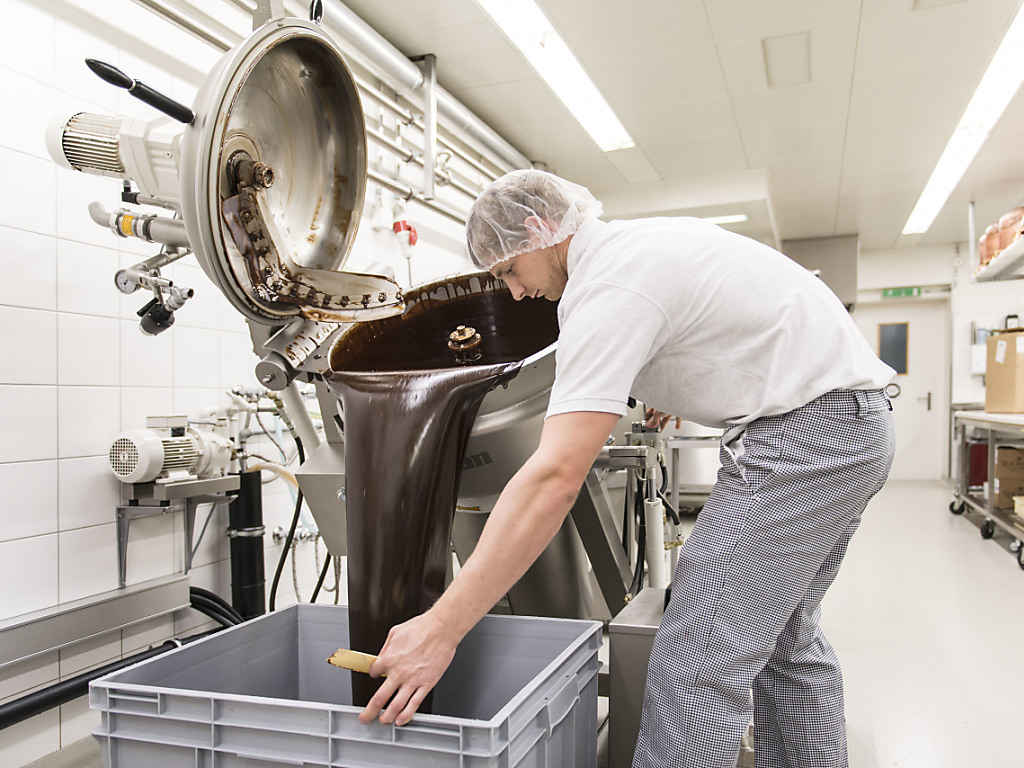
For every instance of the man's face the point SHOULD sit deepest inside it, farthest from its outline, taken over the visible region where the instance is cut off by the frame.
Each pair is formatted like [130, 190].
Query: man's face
[533, 275]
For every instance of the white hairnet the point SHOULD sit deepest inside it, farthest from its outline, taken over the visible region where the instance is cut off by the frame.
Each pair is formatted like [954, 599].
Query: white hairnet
[525, 211]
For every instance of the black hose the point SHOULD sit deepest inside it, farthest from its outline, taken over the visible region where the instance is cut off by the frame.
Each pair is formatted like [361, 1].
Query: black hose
[673, 514]
[323, 575]
[213, 610]
[220, 601]
[641, 550]
[30, 705]
[291, 535]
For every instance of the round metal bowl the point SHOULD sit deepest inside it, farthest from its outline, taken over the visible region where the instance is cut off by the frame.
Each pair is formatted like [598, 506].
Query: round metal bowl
[285, 98]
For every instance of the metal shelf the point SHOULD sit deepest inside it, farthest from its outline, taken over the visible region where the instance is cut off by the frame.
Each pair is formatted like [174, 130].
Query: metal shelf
[998, 428]
[1007, 265]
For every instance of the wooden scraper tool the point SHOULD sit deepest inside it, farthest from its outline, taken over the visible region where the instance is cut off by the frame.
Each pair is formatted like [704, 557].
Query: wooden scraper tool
[354, 660]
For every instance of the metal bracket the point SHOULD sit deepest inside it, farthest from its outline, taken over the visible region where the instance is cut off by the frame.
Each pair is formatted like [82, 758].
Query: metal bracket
[265, 11]
[161, 506]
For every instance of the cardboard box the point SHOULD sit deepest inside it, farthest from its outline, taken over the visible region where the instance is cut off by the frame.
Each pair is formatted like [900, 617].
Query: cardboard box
[1004, 373]
[1009, 474]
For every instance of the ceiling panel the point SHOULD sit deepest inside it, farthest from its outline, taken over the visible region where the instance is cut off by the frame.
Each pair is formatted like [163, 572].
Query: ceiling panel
[848, 152]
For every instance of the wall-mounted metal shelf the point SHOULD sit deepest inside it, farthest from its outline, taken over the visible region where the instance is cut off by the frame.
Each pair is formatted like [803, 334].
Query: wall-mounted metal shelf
[1007, 265]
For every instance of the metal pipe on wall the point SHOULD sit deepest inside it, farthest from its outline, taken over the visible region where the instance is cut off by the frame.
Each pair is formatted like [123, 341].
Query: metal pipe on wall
[348, 27]
[409, 118]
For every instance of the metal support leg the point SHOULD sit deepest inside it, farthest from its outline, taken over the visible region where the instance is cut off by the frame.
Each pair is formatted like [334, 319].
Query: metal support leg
[593, 518]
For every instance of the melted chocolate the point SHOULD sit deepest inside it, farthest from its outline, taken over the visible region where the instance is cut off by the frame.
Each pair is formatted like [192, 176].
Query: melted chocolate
[409, 410]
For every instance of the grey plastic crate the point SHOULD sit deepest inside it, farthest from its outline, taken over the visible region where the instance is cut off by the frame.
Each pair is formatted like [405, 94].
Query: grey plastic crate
[521, 691]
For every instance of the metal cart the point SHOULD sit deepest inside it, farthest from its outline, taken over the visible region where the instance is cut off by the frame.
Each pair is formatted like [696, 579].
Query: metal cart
[997, 428]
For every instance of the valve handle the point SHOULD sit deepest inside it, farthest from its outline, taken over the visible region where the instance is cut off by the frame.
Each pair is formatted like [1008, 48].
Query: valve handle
[141, 91]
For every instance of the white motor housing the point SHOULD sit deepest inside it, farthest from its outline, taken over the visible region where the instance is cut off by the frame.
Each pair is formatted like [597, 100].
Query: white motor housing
[166, 453]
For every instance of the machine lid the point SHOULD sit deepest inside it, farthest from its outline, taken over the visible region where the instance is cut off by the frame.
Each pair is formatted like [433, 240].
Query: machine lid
[273, 175]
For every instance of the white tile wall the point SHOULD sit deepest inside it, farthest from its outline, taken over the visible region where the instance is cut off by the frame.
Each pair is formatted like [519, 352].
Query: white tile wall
[146, 361]
[30, 740]
[139, 402]
[89, 653]
[31, 184]
[88, 561]
[85, 277]
[75, 191]
[31, 422]
[145, 634]
[32, 54]
[89, 418]
[88, 492]
[33, 258]
[28, 563]
[196, 352]
[30, 499]
[151, 547]
[25, 675]
[88, 350]
[77, 721]
[29, 341]
[26, 133]
[74, 46]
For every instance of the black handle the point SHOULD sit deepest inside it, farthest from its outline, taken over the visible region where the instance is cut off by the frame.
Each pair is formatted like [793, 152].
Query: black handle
[141, 91]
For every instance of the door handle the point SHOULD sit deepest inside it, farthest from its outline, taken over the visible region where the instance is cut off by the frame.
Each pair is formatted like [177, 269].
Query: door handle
[927, 400]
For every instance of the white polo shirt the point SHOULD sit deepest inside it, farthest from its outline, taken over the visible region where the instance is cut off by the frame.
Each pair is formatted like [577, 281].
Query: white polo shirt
[700, 323]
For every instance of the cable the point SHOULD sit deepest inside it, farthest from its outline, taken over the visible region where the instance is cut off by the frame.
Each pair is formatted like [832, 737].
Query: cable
[673, 513]
[291, 535]
[320, 581]
[270, 436]
[214, 597]
[212, 609]
[638, 573]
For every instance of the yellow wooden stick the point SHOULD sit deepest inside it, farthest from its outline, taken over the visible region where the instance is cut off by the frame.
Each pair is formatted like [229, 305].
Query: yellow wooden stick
[354, 660]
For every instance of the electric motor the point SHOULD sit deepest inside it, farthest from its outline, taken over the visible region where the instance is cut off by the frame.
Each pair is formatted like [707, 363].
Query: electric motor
[144, 455]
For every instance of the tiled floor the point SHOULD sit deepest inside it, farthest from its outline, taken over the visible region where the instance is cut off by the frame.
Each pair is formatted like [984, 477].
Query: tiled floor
[928, 620]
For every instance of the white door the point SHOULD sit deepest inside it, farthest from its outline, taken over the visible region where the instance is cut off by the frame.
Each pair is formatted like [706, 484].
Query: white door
[921, 409]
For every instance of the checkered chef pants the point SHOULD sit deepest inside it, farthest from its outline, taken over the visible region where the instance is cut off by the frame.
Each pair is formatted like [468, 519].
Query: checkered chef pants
[747, 591]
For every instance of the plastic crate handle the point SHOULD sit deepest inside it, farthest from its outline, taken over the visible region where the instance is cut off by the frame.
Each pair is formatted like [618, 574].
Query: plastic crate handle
[562, 702]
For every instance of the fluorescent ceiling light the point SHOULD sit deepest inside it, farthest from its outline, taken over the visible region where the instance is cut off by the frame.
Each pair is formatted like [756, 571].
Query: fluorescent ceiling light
[529, 29]
[999, 84]
[735, 218]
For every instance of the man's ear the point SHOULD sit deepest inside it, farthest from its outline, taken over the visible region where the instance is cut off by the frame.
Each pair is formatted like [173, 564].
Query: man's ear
[539, 230]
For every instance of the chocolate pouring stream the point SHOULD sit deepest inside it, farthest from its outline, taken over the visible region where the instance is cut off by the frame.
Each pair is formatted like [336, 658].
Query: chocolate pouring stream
[408, 413]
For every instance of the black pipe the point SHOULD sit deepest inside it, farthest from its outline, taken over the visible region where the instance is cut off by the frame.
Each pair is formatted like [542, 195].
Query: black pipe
[291, 534]
[32, 704]
[245, 530]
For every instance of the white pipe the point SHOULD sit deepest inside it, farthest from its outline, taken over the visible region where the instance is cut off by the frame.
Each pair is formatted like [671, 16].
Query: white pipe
[296, 408]
[654, 519]
[342, 21]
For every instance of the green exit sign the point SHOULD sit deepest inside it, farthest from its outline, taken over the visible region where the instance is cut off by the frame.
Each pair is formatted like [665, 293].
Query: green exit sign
[895, 293]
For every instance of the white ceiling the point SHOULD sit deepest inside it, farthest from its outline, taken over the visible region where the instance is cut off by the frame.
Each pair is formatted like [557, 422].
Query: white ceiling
[847, 152]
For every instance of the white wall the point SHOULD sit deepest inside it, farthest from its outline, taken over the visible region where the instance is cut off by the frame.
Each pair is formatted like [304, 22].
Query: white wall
[74, 368]
[984, 305]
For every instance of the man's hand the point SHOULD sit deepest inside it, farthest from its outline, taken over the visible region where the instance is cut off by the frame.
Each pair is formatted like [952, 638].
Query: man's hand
[414, 657]
[658, 419]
